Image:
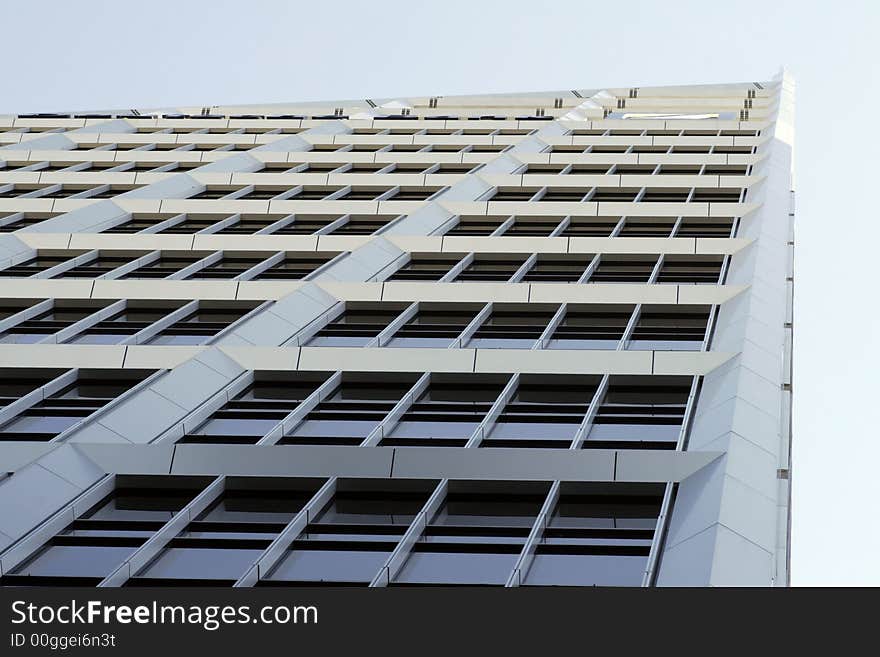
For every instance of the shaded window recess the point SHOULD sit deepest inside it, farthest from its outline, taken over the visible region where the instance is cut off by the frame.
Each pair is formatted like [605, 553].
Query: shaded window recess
[352, 536]
[557, 269]
[545, 412]
[491, 268]
[434, 326]
[586, 327]
[64, 313]
[425, 268]
[357, 325]
[476, 536]
[61, 410]
[448, 412]
[512, 326]
[674, 328]
[348, 414]
[206, 322]
[295, 267]
[96, 543]
[222, 542]
[636, 414]
[255, 411]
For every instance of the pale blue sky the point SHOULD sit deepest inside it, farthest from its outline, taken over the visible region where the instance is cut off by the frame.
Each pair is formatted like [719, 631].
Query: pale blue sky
[91, 55]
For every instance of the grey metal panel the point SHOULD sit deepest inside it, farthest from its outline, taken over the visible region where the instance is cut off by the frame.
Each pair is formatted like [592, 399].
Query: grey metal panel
[240, 162]
[130, 459]
[13, 250]
[15, 455]
[115, 126]
[283, 319]
[91, 218]
[180, 185]
[44, 491]
[504, 463]
[363, 263]
[423, 221]
[658, 465]
[50, 142]
[73, 466]
[284, 460]
[149, 412]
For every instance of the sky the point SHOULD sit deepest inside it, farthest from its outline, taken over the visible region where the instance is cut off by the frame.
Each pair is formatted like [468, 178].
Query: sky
[88, 55]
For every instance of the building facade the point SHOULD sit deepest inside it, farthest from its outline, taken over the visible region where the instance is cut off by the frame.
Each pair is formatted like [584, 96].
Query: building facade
[515, 340]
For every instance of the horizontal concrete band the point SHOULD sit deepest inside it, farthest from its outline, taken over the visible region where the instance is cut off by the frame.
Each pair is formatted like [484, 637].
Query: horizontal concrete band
[68, 288]
[430, 157]
[380, 179]
[247, 206]
[397, 462]
[10, 120]
[376, 359]
[409, 243]
[344, 138]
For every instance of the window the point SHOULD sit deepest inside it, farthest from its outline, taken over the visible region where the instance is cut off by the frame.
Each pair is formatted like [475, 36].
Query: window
[255, 411]
[168, 262]
[533, 226]
[623, 269]
[64, 313]
[690, 269]
[478, 225]
[476, 536]
[348, 414]
[136, 224]
[512, 326]
[27, 220]
[434, 326]
[591, 227]
[598, 535]
[208, 320]
[423, 267]
[448, 412]
[230, 265]
[615, 194]
[665, 195]
[60, 410]
[43, 260]
[515, 193]
[16, 383]
[591, 327]
[639, 414]
[363, 224]
[564, 194]
[295, 266]
[706, 227]
[353, 534]
[136, 317]
[103, 264]
[191, 224]
[220, 544]
[546, 411]
[491, 267]
[558, 268]
[647, 227]
[248, 225]
[717, 195]
[672, 328]
[357, 325]
[102, 538]
[305, 224]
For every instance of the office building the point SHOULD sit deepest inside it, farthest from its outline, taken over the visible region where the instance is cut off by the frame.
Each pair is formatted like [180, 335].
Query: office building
[517, 340]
